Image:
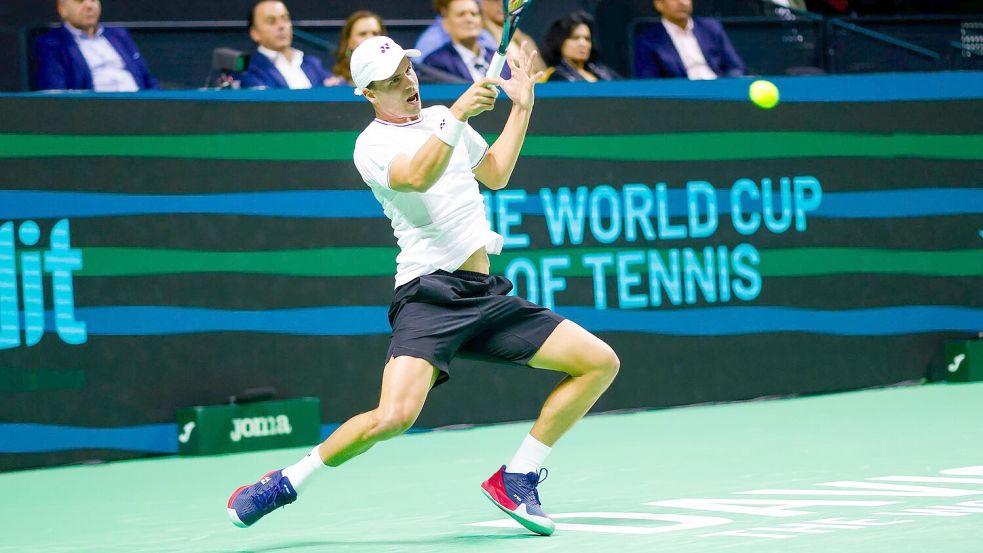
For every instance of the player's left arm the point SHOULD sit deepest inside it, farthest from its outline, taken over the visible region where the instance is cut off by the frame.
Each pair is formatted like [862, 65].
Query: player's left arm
[497, 165]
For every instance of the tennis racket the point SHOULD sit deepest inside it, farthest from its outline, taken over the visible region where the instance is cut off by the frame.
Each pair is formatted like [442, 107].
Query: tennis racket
[513, 12]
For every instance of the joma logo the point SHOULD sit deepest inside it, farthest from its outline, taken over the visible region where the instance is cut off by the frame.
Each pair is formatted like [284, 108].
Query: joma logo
[258, 427]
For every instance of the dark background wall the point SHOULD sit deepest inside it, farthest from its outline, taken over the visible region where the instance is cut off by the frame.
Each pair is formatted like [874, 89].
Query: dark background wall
[180, 56]
[32, 12]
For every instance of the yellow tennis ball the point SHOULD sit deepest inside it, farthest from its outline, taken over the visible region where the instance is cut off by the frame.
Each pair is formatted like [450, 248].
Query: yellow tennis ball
[764, 94]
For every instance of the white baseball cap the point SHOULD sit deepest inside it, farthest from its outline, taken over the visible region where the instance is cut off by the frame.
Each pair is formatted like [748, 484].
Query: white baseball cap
[376, 59]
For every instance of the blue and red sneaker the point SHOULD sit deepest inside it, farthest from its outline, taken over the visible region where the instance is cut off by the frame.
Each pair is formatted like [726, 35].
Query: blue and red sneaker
[516, 494]
[248, 504]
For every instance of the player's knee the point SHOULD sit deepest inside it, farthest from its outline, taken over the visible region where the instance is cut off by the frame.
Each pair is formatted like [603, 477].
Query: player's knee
[393, 422]
[605, 363]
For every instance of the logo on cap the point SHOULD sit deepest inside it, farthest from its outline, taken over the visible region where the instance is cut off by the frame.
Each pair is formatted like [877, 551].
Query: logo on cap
[384, 47]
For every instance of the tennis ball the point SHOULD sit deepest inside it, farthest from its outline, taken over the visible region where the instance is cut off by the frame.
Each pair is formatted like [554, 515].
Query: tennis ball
[764, 94]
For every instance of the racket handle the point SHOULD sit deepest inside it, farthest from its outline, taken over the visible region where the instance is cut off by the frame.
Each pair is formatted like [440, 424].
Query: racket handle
[495, 69]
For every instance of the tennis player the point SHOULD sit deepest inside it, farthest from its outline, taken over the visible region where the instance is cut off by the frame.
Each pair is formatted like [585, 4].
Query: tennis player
[424, 166]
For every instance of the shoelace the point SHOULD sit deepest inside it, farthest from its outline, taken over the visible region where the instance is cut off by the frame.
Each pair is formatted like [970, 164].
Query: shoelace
[267, 498]
[540, 478]
[532, 480]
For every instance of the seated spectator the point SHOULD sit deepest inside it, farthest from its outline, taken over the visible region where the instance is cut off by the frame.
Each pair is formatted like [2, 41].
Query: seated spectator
[463, 56]
[435, 35]
[493, 20]
[84, 55]
[569, 50]
[359, 26]
[685, 47]
[277, 64]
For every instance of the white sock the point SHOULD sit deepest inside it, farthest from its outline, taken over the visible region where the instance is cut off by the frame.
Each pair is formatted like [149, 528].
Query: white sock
[529, 457]
[299, 471]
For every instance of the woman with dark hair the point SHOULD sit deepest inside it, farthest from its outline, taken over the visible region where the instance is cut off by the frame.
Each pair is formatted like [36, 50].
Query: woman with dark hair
[569, 48]
[359, 26]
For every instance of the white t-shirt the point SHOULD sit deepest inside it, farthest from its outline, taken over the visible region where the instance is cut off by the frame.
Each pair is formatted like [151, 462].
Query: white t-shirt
[439, 228]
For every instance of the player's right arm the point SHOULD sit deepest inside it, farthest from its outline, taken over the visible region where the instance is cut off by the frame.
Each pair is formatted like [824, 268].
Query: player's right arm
[421, 171]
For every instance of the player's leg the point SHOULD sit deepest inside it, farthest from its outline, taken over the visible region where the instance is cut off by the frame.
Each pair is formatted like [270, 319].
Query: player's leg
[405, 384]
[590, 366]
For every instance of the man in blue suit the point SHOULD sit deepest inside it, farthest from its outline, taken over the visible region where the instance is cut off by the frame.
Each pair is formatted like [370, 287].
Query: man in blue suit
[464, 56]
[84, 55]
[277, 64]
[435, 35]
[685, 47]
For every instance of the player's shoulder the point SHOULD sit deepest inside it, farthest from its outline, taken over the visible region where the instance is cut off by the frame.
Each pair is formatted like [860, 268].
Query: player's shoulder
[436, 110]
[374, 131]
[379, 133]
[433, 116]
[381, 130]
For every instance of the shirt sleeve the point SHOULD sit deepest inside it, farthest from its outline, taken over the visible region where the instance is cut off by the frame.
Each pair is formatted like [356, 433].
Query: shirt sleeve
[475, 145]
[372, 159]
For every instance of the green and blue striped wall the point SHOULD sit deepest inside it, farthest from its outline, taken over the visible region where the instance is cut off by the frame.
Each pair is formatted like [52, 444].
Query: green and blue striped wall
[227, 243]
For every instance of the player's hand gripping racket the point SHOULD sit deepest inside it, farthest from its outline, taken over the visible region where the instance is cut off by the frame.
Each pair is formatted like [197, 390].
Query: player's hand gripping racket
[513, 12]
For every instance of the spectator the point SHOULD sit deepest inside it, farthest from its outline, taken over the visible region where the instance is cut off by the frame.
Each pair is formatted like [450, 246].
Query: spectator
[493, 20]
[569, 50]
[463, 56]
[359, 26]
[277, 64]
[685, 47]
[435, 35]
[84, 55]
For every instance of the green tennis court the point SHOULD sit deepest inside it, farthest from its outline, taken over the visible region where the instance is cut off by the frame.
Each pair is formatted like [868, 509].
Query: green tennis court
[887, 470]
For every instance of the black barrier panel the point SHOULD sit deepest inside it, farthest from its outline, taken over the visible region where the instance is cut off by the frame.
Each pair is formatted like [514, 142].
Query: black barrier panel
[187, 248]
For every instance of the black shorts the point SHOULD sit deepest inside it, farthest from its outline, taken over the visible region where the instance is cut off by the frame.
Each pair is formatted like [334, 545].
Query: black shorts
[439, 316]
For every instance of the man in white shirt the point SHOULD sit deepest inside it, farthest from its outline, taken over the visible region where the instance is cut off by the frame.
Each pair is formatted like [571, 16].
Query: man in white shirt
[424, 166]
[82, 54]
[682, 46]
[277, 64]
